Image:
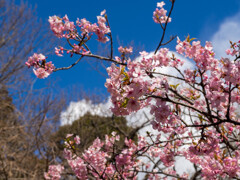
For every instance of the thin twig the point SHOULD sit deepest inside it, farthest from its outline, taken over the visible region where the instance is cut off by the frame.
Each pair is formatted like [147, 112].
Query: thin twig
[165, 27]
[65, 68]
[110, 35]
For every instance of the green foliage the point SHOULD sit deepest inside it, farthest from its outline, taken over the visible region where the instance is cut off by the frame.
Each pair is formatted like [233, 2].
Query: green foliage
[89, 127]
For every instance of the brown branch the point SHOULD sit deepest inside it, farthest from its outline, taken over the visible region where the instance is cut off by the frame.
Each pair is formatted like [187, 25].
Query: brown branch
[164, 29]
[69, 67]
[110, 35]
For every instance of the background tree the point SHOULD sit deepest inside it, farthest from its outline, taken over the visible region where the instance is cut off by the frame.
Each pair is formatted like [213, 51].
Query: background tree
[21, 32]
[89, 127]
[23, 115]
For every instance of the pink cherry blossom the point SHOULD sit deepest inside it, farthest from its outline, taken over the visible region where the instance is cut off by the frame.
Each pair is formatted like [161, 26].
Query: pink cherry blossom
[41, 73]
[125, 50]
[159, 15]
[54, 172]
[61, 26]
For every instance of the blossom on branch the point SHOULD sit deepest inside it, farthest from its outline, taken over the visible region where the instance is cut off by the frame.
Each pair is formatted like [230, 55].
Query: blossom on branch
[41, 68]
[194, 110]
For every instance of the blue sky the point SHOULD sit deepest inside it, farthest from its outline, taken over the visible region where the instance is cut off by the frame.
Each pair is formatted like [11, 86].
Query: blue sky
[131, 22]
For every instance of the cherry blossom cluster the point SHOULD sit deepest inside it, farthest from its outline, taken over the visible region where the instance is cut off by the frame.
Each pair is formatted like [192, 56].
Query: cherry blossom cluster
[235, 49]
[130, 87]
[62, 27]
[42, 69]
[210, 96]
[159, 15]
[218, 82]
[125, 50]
[216, 164]
[102, 160]
[95, 161]
[54, 172]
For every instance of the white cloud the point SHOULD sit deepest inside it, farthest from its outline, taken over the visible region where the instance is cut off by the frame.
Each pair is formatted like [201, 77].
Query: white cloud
[228, 30]
[78, 109]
